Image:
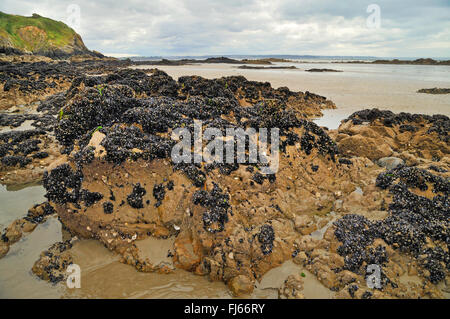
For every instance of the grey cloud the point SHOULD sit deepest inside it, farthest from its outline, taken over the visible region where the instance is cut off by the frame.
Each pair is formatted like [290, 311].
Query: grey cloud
[327, 27]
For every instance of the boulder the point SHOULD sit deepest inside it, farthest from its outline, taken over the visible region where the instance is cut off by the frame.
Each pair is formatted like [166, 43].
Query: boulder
[291, 288]
[390, 162]
[241, 285]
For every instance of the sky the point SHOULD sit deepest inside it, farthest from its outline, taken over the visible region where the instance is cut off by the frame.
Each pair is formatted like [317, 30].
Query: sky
[382, 28]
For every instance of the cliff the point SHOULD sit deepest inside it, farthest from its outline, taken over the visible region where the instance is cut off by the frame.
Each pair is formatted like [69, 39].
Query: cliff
[40, 36]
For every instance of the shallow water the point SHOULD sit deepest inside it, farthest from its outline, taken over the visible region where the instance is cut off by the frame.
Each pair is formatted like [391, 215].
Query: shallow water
[16, 200]
[103, 276]
[274, 278]
[26, 125]
[332, 118]
[16, 278]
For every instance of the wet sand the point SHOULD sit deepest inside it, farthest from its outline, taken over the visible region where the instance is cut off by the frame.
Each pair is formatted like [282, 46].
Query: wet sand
[359, 86]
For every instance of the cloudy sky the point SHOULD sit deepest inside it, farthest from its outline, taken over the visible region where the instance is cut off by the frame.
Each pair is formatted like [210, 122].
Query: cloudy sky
[406, 28]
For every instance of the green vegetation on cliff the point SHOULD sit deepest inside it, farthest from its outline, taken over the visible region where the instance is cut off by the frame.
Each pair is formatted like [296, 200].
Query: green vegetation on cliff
[39, 35]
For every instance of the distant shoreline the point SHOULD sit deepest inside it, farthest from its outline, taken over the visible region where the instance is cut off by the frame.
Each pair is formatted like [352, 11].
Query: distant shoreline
[427, 61]
[270, 61]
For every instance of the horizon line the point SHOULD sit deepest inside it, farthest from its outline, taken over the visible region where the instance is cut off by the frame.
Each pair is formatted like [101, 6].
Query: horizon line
[132, 55]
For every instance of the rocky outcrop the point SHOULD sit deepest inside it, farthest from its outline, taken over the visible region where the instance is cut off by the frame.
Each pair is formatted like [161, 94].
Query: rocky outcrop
[39, 78]
[19, 227]
[229, 221]
[218, 232]
[207, 60]
[246, 67]
[52, 263]
[422, 61]
[434, 91]
[322, 70]
[376, 134]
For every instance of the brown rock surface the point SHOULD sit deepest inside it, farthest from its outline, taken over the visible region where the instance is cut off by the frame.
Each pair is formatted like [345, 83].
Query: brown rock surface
[292, 288]
[241, 285]
[376, 134]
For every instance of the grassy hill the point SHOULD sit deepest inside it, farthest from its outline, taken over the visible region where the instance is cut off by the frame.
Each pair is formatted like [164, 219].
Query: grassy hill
[38, 35]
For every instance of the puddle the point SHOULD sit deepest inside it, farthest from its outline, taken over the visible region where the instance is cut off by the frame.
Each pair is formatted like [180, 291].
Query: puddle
[275, 277]
[16, 200]
[103, 276]
[156, 250]
[332, 118]
[26, 125]
[16, 278]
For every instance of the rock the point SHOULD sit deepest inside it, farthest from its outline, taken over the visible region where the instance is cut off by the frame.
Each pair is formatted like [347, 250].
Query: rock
[435, 91]
[4, 248]
[52, 263]
[345, 277]
[13, 232]
[27, 226]
[241, 285]
[358, 145]
[322, 70]
[38, 212]
[301, 258]
[337, 205]
[291, 288]
[375, 134]
[305, 224]
[390, 162]
[96, 139]
[184, 253]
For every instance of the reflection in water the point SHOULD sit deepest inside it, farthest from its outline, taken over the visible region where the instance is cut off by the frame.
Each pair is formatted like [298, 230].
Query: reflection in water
[16, 279]
[16, 200]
